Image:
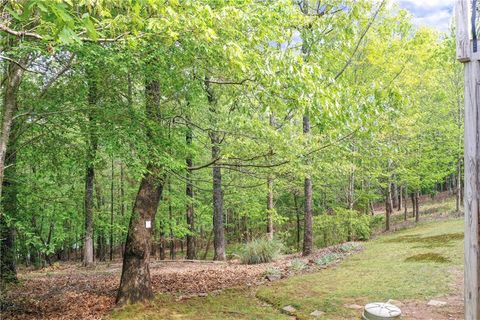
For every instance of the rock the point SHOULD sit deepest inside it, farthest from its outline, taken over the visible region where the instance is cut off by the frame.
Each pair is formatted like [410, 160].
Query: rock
[436, 303]
[289, 309]
[203, 294]
[317, 313]
[395, 302]
[273, 277]
[353, 306]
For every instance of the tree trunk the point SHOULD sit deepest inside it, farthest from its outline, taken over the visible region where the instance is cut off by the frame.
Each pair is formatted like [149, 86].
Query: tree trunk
[400, 198]
[135, 283]
[417, 206]
[207, 246]
[173, 250]
[270, 208]
[92, 142]
[218, 234]
[88, 237]
[388, 207]
[8, 270]
[414, 207]
[101, 245]
[12, 83]
[191, 254]
[8, 204]
[308, 218]
[394, 196]
[297, 210]
[351, 188]
[162, 242]
[111, 212]
[218, 227]
[405, 204]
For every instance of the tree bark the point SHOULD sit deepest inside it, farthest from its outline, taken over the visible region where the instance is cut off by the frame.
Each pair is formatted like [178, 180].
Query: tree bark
[135, 282]
[8, 269]
[394, 196]
[218, 234]
[218, 227]
[414, 207]
[111, 212]
[388, 207]
[173, 249]
[351, 188]
[92, 142]
[12, 83]
[417, 206]
[270, 208]
[191, 254]
[400, 198]
[297, 211]
[308, 218]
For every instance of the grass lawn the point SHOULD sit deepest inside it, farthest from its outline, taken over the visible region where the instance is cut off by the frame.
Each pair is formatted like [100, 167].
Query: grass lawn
[414, 264]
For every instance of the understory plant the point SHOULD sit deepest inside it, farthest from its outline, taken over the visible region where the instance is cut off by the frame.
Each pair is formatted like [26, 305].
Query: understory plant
[260, 250]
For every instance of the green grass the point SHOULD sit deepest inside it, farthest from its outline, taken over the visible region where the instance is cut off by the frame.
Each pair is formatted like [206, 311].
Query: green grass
[231, 304]
[380, 272]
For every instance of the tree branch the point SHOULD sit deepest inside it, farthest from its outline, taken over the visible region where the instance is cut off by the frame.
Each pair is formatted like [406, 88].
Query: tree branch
[203, 165]
[24, 68]
[357, 46]
[36, 36]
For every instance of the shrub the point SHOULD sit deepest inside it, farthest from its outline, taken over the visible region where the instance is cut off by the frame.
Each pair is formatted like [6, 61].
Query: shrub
[345, 225]
[377, 222]
[260, 251]
[328, 259]
[298, 265]
[275, 272]
[347, 247]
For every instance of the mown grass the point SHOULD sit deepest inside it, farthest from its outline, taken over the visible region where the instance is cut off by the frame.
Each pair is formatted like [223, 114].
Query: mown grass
[381, 272]
[231, 304]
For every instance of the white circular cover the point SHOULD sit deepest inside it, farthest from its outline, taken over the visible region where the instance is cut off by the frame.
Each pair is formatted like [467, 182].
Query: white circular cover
[381, 311]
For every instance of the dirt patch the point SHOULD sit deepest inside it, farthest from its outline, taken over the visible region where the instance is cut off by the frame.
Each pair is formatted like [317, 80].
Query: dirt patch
[453, 310]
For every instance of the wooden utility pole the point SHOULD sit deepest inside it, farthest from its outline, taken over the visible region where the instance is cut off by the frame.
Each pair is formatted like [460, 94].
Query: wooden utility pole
[468, 54]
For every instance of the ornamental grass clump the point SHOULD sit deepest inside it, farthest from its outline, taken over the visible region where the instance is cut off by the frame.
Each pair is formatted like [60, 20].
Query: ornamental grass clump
[260, 251]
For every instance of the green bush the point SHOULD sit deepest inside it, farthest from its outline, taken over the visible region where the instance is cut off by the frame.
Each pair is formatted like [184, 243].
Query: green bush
[347, 247]
[344, 225]
[377, 222]
[260, 251]
[273, 271]
[328, 259]
[298, 265]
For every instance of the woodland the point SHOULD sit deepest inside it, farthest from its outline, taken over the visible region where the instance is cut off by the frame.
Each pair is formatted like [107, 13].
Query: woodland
[145, 130]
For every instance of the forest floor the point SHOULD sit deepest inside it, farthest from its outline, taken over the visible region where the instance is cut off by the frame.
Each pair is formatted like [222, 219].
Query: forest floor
[410, 266]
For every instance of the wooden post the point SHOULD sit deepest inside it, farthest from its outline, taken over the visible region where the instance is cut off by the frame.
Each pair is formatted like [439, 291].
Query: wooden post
[471, 62]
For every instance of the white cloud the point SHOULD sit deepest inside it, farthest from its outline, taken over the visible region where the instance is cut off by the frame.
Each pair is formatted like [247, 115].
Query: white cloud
[441, 20]
[432, 13]
[430, 4]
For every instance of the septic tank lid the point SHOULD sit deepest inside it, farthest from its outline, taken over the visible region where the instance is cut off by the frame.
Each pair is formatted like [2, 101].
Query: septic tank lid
[381, 311]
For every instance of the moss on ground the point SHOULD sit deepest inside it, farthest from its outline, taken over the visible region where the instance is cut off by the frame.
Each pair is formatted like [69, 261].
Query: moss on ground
[231, 304]
[428, 257]
[379, 273]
